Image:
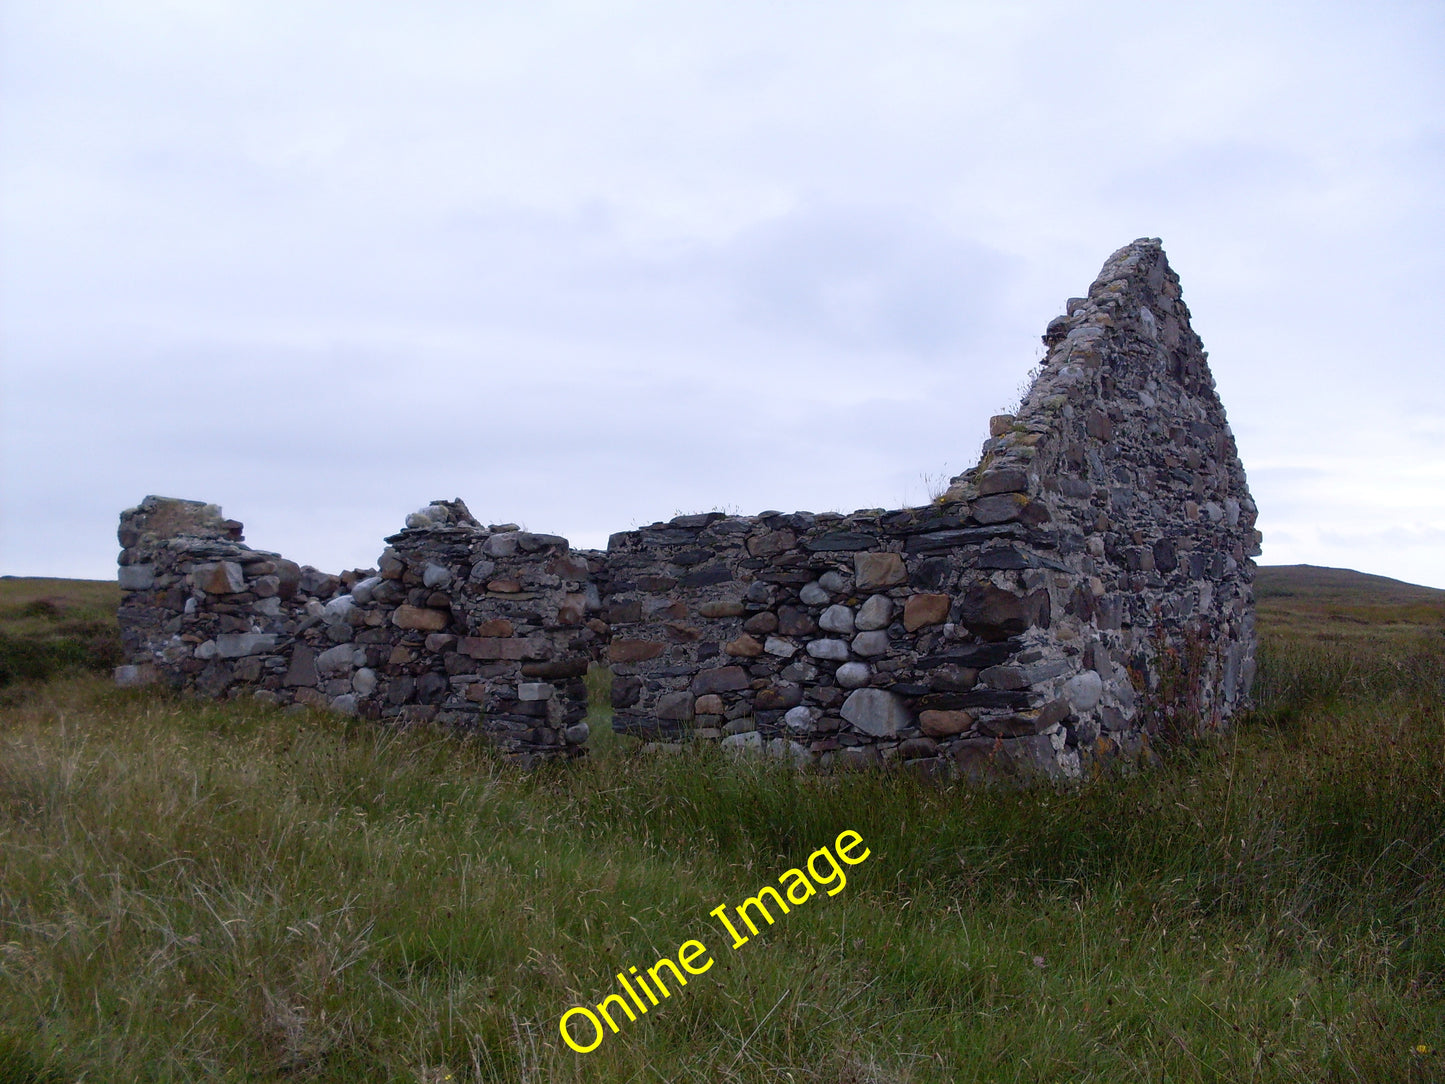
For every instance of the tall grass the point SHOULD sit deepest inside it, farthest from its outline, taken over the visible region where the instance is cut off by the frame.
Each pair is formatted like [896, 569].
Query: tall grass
[195, 891]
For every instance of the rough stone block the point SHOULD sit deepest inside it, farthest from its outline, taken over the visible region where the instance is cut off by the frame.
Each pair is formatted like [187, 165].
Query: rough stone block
[302, 669]
[871, 644]
[419, 618]
[137, 577]
[1006, 480]
[1098, 425]
[723, 679]
[748, 743]
[944, 724]
[134, 676]
[1002, 508]
[221, 578]
[920, 611]
[876, 712]
[233, 645]
[795, 622]
[494, 647]
[634, 650]
[779, 697]
[678, 707]
[572, 610]
[994, 614]
[872, 571]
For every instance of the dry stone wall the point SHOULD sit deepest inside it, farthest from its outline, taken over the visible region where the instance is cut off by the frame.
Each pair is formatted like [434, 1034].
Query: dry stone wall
[459, 624]
[1088, 580]
[1088, 583]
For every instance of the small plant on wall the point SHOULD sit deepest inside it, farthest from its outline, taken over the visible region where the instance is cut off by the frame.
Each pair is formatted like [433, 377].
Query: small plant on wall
[1174, 707]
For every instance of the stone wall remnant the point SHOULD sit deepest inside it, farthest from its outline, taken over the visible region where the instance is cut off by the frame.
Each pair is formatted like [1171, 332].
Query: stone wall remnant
[1088, 580]
[460, 623]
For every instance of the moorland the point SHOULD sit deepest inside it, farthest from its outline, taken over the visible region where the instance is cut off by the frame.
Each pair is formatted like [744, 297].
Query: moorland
[217, 891]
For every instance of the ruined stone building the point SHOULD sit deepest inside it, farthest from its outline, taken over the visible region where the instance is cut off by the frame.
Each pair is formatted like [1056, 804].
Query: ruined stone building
[1087, 583]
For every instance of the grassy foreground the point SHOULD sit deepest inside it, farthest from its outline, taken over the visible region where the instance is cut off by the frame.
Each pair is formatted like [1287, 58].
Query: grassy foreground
[195, 891]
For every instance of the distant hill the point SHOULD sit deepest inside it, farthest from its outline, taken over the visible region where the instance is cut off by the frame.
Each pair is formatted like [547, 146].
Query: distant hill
[1333, 603]
[1339, 585]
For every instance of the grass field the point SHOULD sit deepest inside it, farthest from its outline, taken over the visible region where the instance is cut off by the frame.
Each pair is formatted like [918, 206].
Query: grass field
[47, 626]
[1324, 604]
[197, 891]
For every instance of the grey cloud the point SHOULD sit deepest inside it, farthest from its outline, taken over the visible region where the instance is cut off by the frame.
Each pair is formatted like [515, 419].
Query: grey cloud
[865, 276]
[584, 267]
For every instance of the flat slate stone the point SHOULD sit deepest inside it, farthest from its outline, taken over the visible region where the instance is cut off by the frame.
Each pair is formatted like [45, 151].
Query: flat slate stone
[723, 679]
[975, 658]
[302, 671]
[632, 650]
[841, 541]
[705, 577]
[1002, 557]
[946, 540]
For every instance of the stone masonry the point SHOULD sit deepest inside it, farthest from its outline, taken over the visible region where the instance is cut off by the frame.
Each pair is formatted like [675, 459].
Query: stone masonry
[1086, 584]
[460, 624]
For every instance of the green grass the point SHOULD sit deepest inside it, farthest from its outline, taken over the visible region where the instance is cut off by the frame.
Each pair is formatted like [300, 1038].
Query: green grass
[195, 891]
[50, 626]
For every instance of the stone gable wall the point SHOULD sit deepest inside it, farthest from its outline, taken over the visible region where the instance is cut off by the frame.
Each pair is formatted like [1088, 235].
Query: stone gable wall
[1088, 582]
[1094, 565]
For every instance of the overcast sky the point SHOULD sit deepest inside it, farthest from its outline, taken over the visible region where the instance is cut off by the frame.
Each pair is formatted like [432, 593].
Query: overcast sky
[588, 265]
